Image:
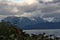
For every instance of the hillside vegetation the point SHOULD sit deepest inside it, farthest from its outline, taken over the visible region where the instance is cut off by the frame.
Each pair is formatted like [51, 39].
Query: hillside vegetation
[10, 32]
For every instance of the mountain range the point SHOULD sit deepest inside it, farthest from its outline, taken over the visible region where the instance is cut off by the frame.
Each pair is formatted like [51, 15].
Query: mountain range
[27, 23]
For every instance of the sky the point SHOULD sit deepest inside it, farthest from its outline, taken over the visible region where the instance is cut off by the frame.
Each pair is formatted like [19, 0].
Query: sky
[30, 8]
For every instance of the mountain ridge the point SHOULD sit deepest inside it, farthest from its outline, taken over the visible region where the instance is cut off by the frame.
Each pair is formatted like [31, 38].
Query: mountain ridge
[32, 23]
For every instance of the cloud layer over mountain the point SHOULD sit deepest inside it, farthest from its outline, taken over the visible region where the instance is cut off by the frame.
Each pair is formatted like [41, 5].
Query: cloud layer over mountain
[28, 8]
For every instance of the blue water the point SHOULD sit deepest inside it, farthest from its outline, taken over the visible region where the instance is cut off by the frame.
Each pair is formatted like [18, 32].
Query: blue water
[47, 31]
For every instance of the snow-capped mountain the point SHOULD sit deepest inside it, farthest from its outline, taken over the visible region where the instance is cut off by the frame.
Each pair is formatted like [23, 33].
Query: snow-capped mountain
[55, 17]
[32, 22]
[24, 20]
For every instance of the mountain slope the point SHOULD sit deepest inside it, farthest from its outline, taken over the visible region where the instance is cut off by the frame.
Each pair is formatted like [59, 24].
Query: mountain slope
[32, 23]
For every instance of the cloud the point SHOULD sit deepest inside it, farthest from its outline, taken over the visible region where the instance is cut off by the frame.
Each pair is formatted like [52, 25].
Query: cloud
[46, 0]
[12, 8]
[30, 8]
[56, 1]
[6, 9]
[30, 1]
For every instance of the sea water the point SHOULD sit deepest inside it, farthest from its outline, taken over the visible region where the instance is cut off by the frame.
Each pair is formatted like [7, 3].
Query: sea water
[47, 31]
